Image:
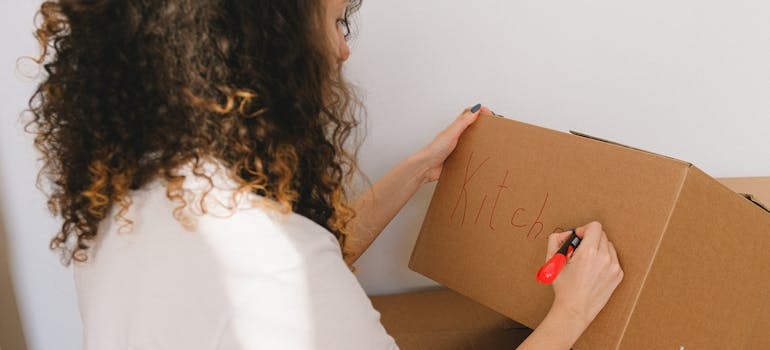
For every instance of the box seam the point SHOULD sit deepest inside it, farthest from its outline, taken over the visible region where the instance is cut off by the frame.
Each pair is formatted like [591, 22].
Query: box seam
[618, 144]
[655, 252]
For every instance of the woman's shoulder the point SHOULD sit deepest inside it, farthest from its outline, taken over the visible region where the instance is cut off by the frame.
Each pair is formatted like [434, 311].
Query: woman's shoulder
[209, 233]
[207, 209]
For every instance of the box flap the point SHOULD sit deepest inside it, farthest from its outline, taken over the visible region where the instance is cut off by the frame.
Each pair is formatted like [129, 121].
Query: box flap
[581, 134]
[758, 188]
[707, 284]
[756, 201]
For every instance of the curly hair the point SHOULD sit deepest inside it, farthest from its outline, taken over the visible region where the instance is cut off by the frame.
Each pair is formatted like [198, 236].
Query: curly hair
[136, 89]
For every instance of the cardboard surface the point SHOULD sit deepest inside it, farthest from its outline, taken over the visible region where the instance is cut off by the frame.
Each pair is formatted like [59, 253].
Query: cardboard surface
[759, 187]
[445, 320]
[691, 249]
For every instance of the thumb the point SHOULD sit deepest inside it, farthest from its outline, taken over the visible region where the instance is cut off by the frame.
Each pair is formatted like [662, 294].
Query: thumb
[450, 135]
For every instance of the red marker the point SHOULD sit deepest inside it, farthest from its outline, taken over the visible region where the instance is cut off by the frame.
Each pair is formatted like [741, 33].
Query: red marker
[551, 269]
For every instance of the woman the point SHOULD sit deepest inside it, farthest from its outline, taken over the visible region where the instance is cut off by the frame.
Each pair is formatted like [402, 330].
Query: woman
[195, 151]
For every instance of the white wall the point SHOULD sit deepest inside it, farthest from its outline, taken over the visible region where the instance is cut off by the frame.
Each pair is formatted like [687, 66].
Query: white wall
[44, 289]
[686, 78]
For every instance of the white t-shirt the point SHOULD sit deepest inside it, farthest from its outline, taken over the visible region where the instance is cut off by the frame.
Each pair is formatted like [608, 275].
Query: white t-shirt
[254, 279]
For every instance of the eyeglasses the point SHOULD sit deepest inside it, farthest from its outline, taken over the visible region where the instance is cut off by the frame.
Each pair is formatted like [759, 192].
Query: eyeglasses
[344, 24]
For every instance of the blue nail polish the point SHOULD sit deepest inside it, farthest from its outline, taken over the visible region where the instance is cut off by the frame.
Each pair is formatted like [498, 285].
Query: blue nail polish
[476, 108]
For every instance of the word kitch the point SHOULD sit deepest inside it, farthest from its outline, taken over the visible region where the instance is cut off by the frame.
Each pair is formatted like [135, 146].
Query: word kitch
[525, 219]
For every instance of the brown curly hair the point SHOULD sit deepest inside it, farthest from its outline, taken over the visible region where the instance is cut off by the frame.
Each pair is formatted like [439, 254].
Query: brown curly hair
[136, 89]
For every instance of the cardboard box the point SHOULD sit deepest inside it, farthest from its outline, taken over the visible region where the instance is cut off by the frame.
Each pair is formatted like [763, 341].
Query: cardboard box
[696, 255]
[445, 320]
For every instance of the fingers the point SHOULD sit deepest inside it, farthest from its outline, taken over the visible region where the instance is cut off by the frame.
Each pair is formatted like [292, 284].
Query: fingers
[461, 123]
[613, 253]
[615, 267]
[603, 241]
[469, 115]
[595, 244]
[555, 240]
[589, 281]
[466, 118]
[591, 234]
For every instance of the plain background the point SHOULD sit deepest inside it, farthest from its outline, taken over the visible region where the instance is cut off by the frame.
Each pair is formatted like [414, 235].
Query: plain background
[685, 78]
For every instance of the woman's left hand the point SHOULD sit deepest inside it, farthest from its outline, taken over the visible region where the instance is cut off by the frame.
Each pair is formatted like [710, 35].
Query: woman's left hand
[376, 207]
[435, 153]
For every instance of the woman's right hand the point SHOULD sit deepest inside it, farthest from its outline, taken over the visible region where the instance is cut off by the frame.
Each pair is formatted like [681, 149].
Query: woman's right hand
[590, 277]
[582, 289]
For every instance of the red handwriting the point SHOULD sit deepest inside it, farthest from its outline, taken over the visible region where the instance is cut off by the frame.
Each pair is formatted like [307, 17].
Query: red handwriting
[519, 217]
[464, 191]
[500, 187]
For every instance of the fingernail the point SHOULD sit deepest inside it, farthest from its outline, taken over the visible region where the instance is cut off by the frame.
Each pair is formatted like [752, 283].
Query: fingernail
[476, 108]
